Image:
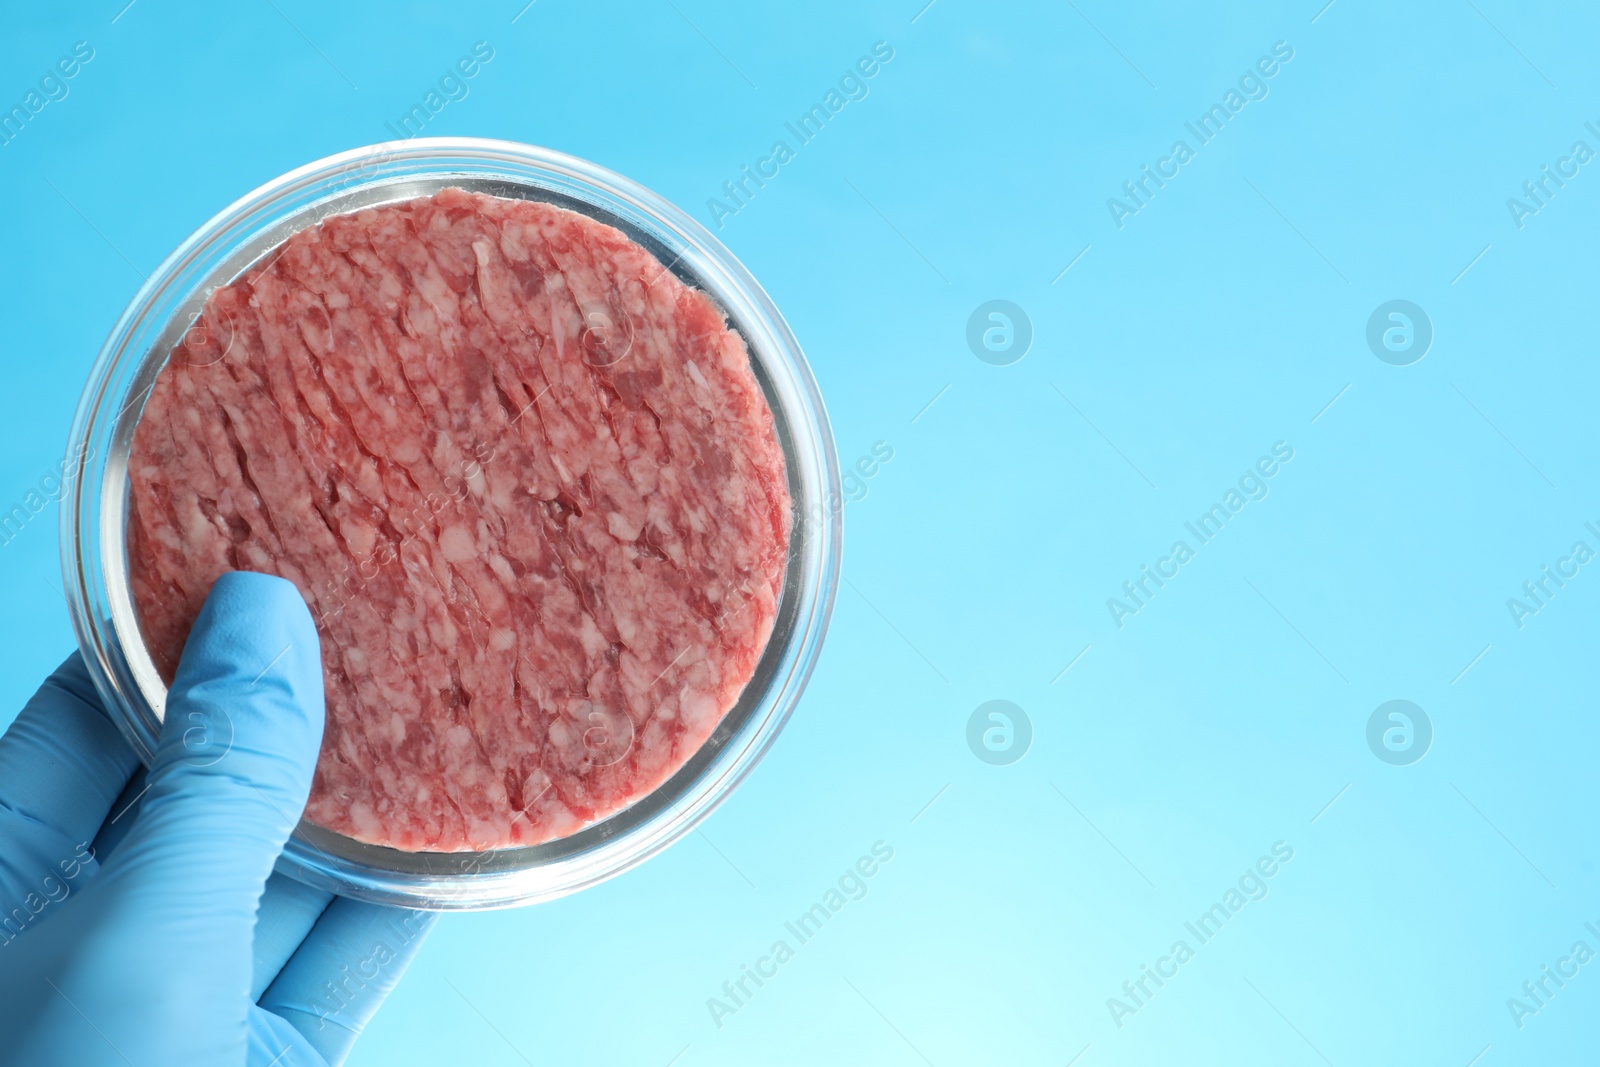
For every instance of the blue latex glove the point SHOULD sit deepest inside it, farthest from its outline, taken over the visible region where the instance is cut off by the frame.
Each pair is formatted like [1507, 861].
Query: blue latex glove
[130, 933]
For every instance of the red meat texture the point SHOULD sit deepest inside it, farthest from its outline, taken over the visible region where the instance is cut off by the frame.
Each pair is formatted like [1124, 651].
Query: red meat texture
[527, 483]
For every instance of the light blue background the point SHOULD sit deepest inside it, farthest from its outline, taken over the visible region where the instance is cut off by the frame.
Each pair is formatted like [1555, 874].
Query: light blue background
[1224, 317]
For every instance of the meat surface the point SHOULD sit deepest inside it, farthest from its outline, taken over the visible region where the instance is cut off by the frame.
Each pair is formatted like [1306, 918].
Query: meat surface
[527, 483]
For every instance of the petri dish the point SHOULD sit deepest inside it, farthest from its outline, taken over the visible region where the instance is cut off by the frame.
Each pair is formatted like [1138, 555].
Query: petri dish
[96, 502]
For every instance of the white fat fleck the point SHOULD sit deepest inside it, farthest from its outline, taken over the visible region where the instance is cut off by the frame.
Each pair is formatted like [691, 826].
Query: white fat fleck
[197, 527]
[360, 536]
[621, 528]
[457, 543]
[698, 378]
[365, 819]
[500, 494]
[536, 785]
[594, 642]
[699, 709]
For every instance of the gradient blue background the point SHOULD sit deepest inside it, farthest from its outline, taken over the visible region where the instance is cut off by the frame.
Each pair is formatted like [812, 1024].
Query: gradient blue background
[1224, 317]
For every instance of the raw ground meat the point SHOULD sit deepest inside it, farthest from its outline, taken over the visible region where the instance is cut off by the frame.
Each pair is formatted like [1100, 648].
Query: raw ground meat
[525, 479]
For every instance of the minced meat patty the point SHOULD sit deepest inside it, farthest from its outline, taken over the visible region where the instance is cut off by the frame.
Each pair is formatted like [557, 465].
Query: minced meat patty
[527, 483]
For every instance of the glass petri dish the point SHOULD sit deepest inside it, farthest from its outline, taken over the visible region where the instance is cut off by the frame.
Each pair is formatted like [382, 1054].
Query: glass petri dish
[96, 503]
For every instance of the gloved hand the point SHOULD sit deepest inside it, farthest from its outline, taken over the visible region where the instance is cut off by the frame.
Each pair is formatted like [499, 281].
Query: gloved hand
[129, 925]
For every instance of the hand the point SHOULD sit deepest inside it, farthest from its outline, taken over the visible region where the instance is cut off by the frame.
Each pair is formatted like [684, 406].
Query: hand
[140, 921]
